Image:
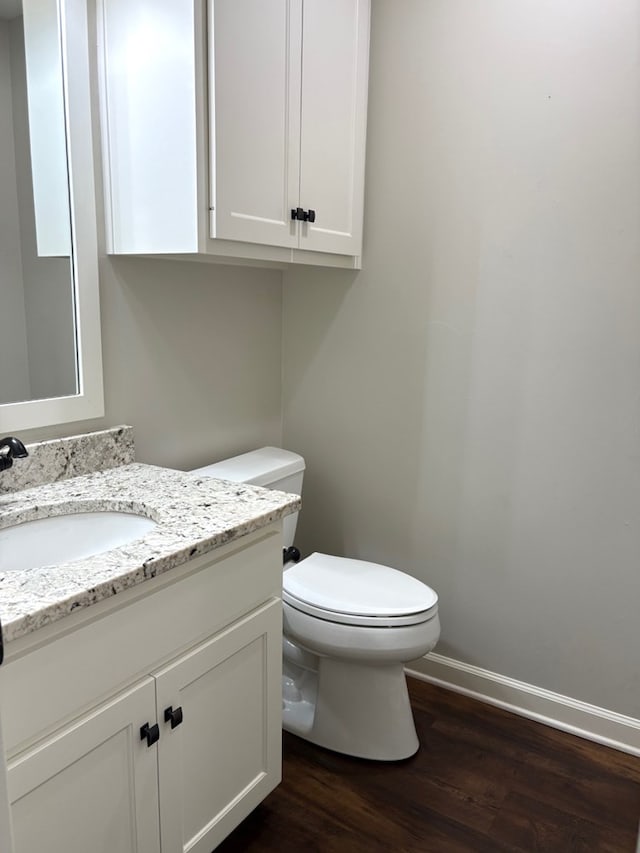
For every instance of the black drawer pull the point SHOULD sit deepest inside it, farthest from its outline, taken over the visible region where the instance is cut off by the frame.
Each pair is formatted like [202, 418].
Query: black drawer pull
[151, 733]
[173, 716]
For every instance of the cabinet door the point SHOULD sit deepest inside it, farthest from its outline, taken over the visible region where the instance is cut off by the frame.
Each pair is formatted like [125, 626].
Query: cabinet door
[92, 786]
[254, 88]
[225, 756]
[335, 62]
[148, 94]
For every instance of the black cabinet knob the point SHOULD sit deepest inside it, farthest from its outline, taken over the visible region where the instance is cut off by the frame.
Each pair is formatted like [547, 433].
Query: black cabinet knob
[311, 215]
[150, 733]
[298, 213]
[173, 716]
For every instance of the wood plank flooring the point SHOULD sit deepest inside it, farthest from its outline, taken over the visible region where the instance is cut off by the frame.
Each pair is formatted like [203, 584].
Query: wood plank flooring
[483, 780]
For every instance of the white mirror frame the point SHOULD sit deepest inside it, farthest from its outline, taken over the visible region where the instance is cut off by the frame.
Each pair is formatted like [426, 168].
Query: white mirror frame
[89, 402]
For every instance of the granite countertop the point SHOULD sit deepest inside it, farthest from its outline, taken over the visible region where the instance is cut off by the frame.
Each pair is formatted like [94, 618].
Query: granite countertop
[194, 515]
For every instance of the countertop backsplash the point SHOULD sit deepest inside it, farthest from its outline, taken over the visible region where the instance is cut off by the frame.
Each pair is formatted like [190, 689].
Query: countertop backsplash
[62, 458]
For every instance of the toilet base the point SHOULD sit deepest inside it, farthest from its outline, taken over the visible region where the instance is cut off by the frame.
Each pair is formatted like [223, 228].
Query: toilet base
[358, 709]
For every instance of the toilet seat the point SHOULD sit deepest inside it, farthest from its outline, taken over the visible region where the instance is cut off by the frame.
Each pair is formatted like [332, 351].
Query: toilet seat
[355, 592]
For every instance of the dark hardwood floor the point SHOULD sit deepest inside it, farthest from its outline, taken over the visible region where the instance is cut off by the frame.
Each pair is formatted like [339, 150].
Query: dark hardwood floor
[483, 780]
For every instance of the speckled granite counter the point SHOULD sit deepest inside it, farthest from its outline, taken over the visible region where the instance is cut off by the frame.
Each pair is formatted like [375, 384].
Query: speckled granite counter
[194, 515]
[62, 458]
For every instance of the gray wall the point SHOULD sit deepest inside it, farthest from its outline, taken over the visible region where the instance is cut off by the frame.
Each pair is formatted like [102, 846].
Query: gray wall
[192, 357]
[468, 404]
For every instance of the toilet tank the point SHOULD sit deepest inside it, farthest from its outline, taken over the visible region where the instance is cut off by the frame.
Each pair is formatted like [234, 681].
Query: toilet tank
[270, 467]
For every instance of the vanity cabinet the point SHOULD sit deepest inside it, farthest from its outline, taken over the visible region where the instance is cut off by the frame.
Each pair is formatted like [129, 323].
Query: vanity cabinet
[235, 129]
[157, 727]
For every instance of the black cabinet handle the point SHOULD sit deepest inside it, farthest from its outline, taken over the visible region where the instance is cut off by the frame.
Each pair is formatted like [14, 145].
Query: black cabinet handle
[303, 215]
[151, 733]
[173, 716]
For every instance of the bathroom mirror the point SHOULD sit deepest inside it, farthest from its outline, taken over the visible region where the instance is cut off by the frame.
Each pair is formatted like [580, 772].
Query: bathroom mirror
[50, 350]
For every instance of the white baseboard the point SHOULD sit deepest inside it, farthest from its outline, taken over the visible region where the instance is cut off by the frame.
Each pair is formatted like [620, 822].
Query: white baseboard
[553, 709]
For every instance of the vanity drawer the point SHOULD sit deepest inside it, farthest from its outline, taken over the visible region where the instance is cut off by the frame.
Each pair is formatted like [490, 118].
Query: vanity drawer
[125, 637]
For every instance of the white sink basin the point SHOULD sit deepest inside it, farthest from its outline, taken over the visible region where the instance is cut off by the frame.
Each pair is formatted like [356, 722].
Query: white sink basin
[65, 538]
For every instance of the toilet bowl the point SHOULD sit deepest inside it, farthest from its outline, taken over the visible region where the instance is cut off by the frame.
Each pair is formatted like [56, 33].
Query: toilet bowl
[349, 626]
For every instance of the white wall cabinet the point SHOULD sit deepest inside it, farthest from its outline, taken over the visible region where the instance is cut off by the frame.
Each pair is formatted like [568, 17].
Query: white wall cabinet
[95, 778]
[237, 129]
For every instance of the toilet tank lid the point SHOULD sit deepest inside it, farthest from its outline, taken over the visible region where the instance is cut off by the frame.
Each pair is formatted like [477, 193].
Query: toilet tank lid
[258, 467]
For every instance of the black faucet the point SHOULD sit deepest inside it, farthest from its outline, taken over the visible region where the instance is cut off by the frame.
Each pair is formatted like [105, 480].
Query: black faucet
[11, 448]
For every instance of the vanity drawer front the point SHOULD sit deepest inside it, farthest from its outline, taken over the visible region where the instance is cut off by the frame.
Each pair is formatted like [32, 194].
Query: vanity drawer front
[133, 633]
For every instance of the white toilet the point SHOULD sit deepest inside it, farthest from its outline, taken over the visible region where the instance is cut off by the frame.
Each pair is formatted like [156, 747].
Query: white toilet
[349, 628]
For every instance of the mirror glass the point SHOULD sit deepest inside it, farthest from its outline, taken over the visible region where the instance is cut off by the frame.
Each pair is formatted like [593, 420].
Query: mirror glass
[38, 328]
[50, 334]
